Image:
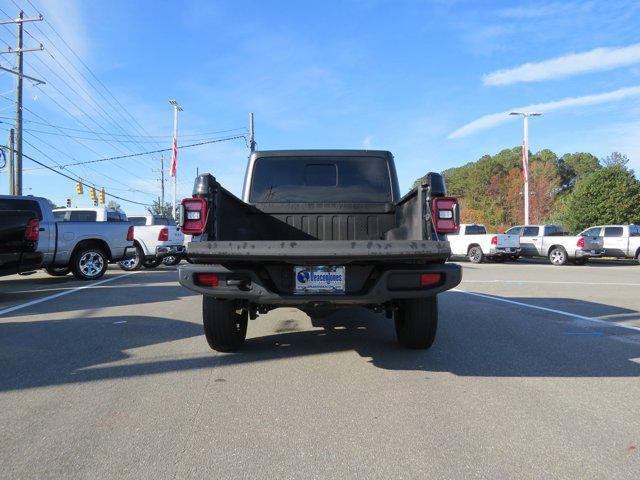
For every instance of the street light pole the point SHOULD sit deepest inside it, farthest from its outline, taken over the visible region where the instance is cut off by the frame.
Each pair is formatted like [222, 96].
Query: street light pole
[525, 159]
[174, 161]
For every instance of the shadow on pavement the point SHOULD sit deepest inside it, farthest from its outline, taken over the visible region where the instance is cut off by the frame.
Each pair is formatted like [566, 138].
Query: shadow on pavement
[476, 338]
[149, 287]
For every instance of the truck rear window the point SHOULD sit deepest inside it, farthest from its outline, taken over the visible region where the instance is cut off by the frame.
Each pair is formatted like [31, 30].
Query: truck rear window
[475, 230]
[320, 179]
[21, 205]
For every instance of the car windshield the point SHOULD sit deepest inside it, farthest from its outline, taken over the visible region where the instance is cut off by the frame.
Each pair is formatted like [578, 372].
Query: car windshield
[320, 179]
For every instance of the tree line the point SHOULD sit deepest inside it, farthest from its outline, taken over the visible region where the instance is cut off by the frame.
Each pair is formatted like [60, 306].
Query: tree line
[575, 190]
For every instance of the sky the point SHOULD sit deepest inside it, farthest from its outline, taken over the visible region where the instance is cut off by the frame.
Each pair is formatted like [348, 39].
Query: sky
[431, 81]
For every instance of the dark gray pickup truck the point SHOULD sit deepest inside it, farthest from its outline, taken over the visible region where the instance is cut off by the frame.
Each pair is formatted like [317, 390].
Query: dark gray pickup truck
[317, 230]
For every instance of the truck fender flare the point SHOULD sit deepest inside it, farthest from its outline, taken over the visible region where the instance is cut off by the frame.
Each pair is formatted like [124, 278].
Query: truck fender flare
[91, 241]
[474, 245]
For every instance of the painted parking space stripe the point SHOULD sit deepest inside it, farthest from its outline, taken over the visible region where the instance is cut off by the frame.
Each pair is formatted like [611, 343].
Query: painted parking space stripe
[550, 310]
[61, 294]
[618, 284]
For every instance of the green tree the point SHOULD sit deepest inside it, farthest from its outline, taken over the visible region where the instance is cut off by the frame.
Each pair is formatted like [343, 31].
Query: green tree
[113, 205]
[616, 158]
[610, 195]
[157, 208]
[575, 165]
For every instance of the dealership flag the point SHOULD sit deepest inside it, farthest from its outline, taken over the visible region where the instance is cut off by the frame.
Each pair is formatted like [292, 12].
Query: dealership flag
[174, 157]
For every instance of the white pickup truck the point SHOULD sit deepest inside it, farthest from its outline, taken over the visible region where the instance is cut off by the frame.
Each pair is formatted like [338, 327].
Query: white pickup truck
[552, 242]
[620, 241]
[155, 238]
[473, 241]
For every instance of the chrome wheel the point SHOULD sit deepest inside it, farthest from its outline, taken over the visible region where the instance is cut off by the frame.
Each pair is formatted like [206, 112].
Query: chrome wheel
[91, 264]
[558, 256]
[475, 255]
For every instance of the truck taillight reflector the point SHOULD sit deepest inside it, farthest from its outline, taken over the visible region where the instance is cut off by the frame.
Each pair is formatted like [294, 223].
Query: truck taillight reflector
[444, 214]
[194, 218]
[494, 240]
[163, 236]
[130, 234]
[580, 242]
[207, 279]
[32, 233]
[430, 279]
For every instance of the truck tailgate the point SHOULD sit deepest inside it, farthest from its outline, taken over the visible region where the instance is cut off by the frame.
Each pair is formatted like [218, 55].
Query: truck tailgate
[305, 251]
[508, 241]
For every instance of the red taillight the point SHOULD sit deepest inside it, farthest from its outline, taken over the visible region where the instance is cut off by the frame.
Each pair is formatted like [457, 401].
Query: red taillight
[32, 233]
[444, 214]
[494, 240]
[130, 234]
[163, 236]
[207, 279]
[581, 242]
[430, 279]
[194, 216]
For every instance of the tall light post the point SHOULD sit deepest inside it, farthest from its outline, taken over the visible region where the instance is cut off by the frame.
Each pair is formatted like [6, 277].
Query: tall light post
[525, 159]
[174, 157]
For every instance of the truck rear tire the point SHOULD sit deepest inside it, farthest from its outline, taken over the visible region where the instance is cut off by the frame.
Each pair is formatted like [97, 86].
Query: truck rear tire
[224, 328]
[558, 256]
[57, 271]
[475, 254]
[89, 263]
[132, 264]
[152, 263]
[416, 321]
[171, 260]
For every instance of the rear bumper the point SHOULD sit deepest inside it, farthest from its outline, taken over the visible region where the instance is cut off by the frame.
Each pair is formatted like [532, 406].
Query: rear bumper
[165, 250]
[505, 251]
[580, 253]
[392, 283]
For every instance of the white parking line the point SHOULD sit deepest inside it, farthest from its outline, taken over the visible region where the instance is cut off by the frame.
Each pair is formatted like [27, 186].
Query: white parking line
[551, 310]
[61, 294]
[552, 282]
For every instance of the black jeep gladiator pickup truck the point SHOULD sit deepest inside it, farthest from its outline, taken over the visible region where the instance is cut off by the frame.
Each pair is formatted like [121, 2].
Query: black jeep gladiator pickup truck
[317, 230]
[19, 233]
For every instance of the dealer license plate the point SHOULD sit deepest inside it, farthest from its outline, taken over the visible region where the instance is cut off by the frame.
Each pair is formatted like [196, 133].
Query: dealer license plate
[319, 279]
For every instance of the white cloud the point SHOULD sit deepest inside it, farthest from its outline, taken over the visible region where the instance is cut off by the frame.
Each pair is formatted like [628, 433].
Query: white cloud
[494, 119]
[366, 143]
[595, 60]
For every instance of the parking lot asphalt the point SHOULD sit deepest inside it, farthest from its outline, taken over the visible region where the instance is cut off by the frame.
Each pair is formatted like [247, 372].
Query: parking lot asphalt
[534, 374]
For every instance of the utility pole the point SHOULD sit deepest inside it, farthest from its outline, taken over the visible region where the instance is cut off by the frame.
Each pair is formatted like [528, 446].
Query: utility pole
[12, 166]
[525, 159]
[174, 161]
[19, 73]
[252, 141]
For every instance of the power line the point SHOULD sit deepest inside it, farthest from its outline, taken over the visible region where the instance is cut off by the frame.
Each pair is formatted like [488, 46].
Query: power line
[78, 180]
[162, 137]
[155, 151]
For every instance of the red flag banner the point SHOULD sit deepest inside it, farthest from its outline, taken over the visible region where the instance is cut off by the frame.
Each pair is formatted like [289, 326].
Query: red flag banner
[174, 157]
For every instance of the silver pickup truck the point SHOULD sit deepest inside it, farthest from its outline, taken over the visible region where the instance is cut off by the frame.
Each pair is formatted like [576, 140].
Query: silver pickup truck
[552, 242]
[81, 247]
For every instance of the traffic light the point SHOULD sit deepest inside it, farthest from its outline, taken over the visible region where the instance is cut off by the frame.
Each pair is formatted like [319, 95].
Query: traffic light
[92, 194]
[102, 195]
[68, 203]
[79, 188]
